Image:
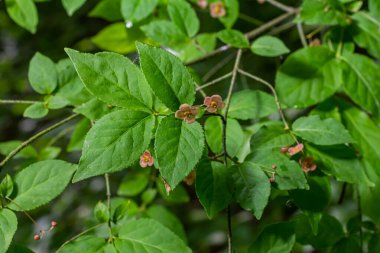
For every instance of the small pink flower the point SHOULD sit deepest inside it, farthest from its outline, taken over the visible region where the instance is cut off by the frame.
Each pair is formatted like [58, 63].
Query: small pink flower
[295, 150]
[217, 10]
[213, 103]
[146, 159]
[187, 113]
[202, 4]
[307, 164]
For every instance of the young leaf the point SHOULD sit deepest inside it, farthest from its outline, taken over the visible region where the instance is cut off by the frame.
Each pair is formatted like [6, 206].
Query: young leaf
[278, 237]
[87, 244]
[136, 10]
[42, 74]
[366, 32]
[117, 148]
[36, 111]
[39, 183]
[6, 186]
[360, 81]
[168, 219]
[133, 183]
[24, 13]
[108, 10]
[308, 76]
[323, 12]
[251, 104]
[72, 5]
[79, 133]
[252, 187]
[321, 132]
[211, 186]
[168, 77]
[164, 32]
[234, 38]
[184, 16]
[101, 212]
[148, 196]
[232, 13]
[178, 148]
[8, 146]
[374, 9]
[133, 235]
[112, 78]
[269, 46]
[8, 227]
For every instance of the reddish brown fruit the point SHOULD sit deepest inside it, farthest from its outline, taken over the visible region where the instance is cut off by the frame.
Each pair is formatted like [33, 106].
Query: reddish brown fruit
[36, 237]
[54, 223]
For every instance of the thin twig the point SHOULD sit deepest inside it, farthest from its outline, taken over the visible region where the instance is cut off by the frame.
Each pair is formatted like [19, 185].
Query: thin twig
[35, 137]
[214, 81]
[108, 193]
[203, 93]
[250, 35]
[228, 100]
[10, 101]
[217, 67]
[22, 209]
[281, 6]
[301, 34]
[80, 234]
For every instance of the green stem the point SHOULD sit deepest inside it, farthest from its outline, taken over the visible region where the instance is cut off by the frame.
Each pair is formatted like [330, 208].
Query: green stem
[108, 193]
[199, 88]
[35, 137]
[280, 6]
[301, 34]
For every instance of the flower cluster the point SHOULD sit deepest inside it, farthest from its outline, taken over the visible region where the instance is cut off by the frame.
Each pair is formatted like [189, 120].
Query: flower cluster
[307, 163]
[188, 113]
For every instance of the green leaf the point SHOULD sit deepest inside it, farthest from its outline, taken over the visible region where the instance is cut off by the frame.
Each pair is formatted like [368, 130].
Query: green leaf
[321, 132]
[39, 183]
[374, 8]
[120, 132]
[36, 111]
[24, 13]
[8, 146]
[251, 104]
[8, 227]
[167, 76]
[275, 238]
[344, 169]
[308, 76]
[6, 186]
[315, 199]
[252, 187]
[117, 38]
[210, 185]
[133, 235]
[346, 245]
[269, 46]
[136, 10]
[184, 16]
[94, 109]
[134, 183]
[49, 152]
[366, 135]
[366, 32]
[289, 174]
[178, 195]
[271, 137]
[165, 33]
[56, 102]
[214, 135]
[18, 249]
[202, 44]
[112, 78]
[232, 13]
[323, 12]
[168, 219]
[101, 212]
[77, 138]
[88, 244]
[360, 81]
[178, 148]
[234, 38]
[148, 196]
[108, 10]
[72, 5]
[42, 74]
[330, 232]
